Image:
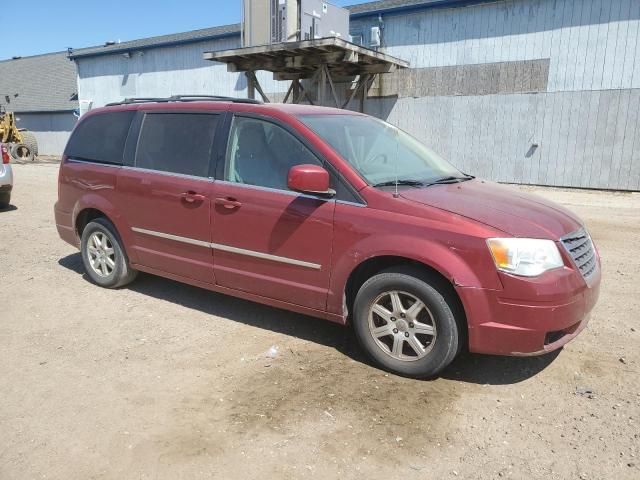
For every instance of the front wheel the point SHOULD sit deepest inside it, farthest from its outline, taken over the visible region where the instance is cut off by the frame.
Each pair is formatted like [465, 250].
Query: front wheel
[104, 257]
[406, 323]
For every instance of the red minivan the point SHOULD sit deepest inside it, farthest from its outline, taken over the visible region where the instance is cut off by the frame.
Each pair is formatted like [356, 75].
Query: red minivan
[328, 213]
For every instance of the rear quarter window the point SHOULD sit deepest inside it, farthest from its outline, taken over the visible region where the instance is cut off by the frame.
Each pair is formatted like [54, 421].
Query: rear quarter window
[100, 138]
[177, 143]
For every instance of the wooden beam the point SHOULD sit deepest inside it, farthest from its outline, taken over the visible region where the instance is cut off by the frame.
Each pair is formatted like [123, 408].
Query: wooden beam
[325, 45]
[300, 93]
[317, 62]
[304, 92]
[363, 93]
[333, 88]
[296, 89]
[304, 60]
[286, 97]
[289, 76]
[350, 57]
[256, 85]
[322, 83]
[353, 93]
[251, 91]
[378, 68]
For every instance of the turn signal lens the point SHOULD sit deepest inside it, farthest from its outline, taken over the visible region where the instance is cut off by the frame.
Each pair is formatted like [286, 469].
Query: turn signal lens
[528, 257]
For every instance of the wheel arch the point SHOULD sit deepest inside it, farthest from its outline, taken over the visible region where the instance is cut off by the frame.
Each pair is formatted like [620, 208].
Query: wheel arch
[91, 207]
[377, 264]
[374, 265]
[85, 216]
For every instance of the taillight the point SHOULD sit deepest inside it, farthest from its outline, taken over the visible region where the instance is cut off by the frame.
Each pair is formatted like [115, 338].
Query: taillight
[5, 153]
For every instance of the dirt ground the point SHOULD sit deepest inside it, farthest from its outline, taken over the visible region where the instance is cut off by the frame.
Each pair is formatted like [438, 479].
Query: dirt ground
[163, 380]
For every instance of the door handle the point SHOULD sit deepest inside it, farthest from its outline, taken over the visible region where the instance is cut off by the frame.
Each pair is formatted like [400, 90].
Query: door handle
[228, 202]
[192, 197]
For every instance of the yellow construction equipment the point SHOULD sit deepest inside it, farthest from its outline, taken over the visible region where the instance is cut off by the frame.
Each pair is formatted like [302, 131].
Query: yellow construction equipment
[22, 144]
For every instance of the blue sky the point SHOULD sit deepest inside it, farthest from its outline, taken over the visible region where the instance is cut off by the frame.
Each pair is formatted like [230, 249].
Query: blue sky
[47, 26]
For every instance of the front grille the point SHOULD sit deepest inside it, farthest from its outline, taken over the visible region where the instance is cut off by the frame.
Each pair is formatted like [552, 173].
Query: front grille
[582, 252]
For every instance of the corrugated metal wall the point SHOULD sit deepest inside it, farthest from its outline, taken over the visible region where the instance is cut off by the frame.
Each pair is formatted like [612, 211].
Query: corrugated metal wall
[580, 130]
[546, 91]
[585, 139]
[52, 129]
[163, 72]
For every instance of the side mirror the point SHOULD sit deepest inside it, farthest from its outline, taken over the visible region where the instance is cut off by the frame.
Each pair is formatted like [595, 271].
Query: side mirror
[310, 179]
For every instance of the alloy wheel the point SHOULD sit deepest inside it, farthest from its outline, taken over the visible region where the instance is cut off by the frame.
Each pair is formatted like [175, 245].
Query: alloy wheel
[101, 254]
[402, 325]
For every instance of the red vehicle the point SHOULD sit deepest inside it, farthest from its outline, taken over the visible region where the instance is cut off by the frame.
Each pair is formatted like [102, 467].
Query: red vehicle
[328, 213]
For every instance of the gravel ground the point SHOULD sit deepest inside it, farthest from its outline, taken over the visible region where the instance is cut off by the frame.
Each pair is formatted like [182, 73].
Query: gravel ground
[163, 380]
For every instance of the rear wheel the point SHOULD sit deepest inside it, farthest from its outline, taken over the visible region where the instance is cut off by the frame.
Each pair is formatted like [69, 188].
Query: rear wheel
[103, 255]
[405, 321]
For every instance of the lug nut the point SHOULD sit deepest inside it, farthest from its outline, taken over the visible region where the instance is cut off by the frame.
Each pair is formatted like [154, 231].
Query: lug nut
[411, 325]
[406, 334]
[393, 319]
[402, 315]
[395, 330]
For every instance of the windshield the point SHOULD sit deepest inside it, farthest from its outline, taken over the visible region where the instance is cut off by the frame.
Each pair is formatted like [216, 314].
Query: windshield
[380, 152]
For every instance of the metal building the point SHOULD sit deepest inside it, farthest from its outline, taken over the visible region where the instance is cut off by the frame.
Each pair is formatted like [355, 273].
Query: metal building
[42, 91]
[525, 91]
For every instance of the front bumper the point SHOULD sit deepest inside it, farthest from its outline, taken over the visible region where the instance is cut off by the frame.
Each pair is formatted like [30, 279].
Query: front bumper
[529, 316]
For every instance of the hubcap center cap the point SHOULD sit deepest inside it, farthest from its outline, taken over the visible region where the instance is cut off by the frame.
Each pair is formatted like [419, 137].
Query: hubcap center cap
[402, 325]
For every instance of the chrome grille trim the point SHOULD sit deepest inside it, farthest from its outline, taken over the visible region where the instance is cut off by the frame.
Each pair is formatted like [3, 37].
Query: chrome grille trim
[580, 248]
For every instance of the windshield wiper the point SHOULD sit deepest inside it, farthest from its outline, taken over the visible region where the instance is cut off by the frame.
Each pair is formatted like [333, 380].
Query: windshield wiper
[392, 183]
[451, 179]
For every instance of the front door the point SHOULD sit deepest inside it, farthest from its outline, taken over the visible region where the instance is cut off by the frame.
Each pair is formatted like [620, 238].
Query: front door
[268, 240]
[166, 195]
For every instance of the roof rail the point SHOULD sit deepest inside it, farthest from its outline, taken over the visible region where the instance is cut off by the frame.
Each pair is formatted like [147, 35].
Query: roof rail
[128, 101]
[214, 98]
[183, 98]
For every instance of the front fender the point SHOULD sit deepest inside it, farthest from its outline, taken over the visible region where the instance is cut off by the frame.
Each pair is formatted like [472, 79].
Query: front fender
[461, 262]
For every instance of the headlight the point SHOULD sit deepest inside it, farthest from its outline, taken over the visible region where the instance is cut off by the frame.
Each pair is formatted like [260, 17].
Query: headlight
[528, 257]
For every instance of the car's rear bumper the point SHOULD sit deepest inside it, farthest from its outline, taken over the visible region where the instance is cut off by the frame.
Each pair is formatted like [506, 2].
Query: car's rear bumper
[64, 225]
[555, 312]
[5, 194]
[6, 178]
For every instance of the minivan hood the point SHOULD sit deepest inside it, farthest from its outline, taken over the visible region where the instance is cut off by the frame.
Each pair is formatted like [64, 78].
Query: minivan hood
[514, 212]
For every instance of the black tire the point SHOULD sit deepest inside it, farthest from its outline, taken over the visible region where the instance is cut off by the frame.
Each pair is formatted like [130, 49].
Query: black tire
[5, 200]
[121, 273]
[29, 139]
[439, 303]
[21, 152]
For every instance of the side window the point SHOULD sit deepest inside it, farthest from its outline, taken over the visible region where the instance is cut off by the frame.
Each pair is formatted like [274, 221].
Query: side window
[261, 153]
[177, 142]
[342, 192]
[100, 137]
